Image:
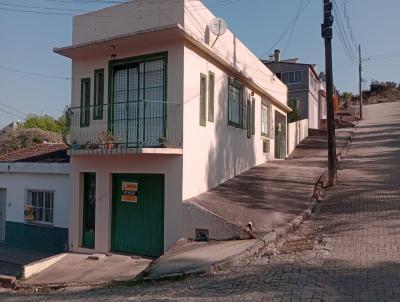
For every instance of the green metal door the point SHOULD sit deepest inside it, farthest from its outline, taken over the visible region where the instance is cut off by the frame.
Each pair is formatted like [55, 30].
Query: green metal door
[138, 214]
[280, 135]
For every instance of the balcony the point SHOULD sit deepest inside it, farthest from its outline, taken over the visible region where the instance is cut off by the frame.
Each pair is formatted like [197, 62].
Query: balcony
[147, 127]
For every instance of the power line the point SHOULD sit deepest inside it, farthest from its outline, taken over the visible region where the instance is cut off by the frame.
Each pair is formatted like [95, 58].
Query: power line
[341, 31]
[299, 10]
[35, 74]
[12, 114]
[286, 30]
[13, 109]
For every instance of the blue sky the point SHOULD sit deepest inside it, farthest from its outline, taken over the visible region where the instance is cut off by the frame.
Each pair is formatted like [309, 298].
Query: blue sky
[27, 40]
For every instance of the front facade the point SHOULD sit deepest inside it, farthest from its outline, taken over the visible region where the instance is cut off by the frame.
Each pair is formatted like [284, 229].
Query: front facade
[34, 199]
[303, 84]
[159, 116]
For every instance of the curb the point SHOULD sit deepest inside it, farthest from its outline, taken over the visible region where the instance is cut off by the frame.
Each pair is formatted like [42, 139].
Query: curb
[270, 237]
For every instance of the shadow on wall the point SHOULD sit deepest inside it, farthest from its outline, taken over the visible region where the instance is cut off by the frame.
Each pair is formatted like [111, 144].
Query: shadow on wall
[233, 153]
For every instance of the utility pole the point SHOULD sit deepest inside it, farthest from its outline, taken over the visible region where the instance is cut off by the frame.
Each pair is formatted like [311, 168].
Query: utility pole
[360, 79]
[327, 35]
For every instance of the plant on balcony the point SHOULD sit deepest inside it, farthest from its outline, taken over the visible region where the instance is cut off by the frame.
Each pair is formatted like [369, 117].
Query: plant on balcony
[162, 141]
[107, 140]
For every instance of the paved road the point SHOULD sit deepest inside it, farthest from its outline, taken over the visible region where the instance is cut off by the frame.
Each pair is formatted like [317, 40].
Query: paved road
[355, 233]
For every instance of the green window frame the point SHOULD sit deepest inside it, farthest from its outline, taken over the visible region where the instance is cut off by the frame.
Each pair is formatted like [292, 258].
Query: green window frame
[235, 104]
[98, 97]
[203, 99]
[211, 96]
[249, 120]
[85, 103]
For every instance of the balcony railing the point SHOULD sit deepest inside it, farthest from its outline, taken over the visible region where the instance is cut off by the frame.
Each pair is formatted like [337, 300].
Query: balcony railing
[139, 124]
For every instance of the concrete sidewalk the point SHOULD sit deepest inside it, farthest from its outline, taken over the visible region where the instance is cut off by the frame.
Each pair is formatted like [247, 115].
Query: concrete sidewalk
[274, 196]
[79, 269]
[12, 259]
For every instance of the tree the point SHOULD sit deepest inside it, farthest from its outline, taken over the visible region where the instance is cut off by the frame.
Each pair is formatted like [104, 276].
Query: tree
[45, 122]
[294, 115]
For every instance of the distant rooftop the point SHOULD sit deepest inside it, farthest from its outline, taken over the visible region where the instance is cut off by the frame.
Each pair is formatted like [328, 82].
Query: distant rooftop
[39, 153]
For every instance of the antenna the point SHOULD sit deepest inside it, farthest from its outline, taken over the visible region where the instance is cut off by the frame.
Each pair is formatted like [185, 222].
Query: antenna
[218, 27]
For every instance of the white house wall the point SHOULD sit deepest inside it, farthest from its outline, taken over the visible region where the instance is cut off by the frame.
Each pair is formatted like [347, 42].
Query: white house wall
[126, 18]
[217, 152]
[17, 185]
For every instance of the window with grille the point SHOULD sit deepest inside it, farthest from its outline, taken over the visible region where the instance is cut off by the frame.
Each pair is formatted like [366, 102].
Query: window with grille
[42, 203]
[139, 102]
[85, 102]
[265, 119]
[235, 104]
[98, 94]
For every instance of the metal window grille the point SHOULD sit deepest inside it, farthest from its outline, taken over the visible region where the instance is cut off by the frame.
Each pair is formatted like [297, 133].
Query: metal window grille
[139, 113]
[43, 205]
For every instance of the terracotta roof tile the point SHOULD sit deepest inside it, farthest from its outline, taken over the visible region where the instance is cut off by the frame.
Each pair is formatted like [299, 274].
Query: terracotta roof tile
[38, 153]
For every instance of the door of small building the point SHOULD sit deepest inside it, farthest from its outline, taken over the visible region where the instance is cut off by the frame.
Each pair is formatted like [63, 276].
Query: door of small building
[2, 214]
[138, 214]
[280, 135]
[89, 210]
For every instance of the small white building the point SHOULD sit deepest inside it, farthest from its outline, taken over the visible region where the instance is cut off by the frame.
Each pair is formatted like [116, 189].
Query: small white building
[34, 198]
[162, 111]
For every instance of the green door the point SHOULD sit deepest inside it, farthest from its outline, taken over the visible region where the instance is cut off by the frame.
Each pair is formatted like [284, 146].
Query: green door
[280, 135]
[89, 210]
[138, 214]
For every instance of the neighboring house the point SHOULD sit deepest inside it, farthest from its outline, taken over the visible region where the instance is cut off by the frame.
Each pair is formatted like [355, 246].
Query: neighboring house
[34, 198]
[303, 83]
[322, 106]
[10, 127]
[159, 116]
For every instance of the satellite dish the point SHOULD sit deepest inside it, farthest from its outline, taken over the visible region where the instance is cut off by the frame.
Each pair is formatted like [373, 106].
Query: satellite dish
[218, 26]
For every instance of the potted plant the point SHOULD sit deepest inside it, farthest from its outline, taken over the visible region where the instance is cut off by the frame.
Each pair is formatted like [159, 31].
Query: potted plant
[75, 145]
[162, 141]
[107, 140]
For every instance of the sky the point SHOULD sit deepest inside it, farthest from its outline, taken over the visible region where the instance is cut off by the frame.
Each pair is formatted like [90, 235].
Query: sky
[27, 40]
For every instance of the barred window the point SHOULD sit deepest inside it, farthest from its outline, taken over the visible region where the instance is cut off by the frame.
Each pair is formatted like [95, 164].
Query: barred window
[235, 104]
[42, 204]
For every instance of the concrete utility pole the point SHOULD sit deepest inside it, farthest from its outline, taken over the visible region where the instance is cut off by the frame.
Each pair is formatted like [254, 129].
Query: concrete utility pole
[360, 79]
[327, 35]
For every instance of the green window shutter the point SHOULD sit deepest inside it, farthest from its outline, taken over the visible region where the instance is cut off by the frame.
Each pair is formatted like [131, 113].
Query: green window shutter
[203, 97]
[249, 122]
[98, 94]
[211, 92]
[253, 116]
[85, 102]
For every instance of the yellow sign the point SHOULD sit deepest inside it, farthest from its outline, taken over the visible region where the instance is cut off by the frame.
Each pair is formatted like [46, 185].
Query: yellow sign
[129, 192]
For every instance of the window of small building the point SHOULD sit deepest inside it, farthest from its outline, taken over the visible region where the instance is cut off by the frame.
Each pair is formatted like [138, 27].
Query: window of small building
[40, 206]
[235, 103]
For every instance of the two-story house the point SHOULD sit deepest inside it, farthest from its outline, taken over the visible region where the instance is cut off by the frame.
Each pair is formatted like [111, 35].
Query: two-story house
[162, 110]
[303, 84]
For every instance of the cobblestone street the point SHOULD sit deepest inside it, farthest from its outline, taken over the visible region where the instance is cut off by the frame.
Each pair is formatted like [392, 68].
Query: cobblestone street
[355, 236]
